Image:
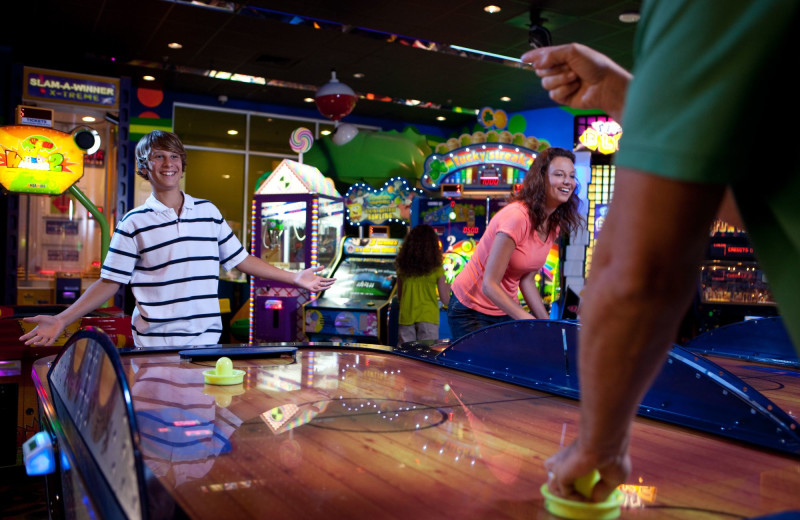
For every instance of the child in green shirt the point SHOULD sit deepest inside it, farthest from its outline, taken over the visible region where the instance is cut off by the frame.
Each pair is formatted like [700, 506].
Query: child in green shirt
[420, 276]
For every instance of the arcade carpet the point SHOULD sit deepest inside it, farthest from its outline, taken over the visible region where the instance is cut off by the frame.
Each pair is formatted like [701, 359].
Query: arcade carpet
[21, 497]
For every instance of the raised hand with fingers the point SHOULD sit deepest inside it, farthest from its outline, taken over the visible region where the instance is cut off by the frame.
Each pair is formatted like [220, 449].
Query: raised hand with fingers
[308, 279]
[47, 330]
[580, 77]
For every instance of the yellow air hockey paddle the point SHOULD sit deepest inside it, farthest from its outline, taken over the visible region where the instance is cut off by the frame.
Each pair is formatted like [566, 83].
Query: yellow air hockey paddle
[577, 510]
[224, 374]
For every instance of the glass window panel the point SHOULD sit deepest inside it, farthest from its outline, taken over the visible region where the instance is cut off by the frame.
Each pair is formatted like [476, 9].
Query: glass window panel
[329, 232]
[271, 135]
[218, 177]
[210, 128]
[283, 226]
[325, 129]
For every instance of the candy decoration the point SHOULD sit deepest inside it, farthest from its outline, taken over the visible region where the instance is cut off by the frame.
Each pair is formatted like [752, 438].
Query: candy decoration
[301, 140]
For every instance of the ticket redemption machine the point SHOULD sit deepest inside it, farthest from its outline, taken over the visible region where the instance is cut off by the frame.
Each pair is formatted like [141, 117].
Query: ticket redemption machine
[732, 288]
[467, 186]
[37, 159]
[297, 223]
[460, 223]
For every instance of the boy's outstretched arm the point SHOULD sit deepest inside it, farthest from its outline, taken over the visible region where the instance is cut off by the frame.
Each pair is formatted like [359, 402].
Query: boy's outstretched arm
[49, 328]
[306, 279]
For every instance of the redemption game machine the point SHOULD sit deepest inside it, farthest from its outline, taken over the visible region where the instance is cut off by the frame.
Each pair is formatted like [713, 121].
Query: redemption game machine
[358, 306]
[41, 161]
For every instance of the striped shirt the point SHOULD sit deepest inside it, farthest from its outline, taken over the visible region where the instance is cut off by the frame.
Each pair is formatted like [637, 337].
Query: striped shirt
[172, 264]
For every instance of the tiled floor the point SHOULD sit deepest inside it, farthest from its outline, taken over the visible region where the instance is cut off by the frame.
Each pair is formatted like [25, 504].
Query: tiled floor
[21, 497]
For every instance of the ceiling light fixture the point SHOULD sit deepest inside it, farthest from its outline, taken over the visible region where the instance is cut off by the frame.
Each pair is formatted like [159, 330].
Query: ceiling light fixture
[88, 119]
[175, 45]
[441, 118]
[149, 78]
[505, 98]
[629, 17]
[358, 75]
[491, 9]
[308, 100]
[233, 132]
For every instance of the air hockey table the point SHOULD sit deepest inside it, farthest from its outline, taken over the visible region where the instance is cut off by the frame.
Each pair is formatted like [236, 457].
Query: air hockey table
[426, 430]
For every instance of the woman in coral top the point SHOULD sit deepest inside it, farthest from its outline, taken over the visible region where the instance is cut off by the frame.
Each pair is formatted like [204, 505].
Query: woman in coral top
[514, 247]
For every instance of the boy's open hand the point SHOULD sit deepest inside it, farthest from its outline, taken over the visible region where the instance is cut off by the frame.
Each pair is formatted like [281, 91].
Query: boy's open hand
[45, 333]
[308, 279]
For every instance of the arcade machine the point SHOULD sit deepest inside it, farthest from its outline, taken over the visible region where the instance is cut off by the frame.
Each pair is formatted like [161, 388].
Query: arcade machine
[469, 185]
[39, 160]
[600, 135]
[358, 306]
[731, 287]
[297, 222]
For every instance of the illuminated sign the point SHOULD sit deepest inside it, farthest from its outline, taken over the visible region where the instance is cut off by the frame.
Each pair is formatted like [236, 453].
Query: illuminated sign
[451, 190]
[493, 118]
[391, 203]
[600, 215]
[495, 164]
[602, 136]
[38, 160]
[34, 116]
[65, 87]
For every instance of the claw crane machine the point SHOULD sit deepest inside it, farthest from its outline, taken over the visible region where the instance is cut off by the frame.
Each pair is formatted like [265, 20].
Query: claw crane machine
[297, 222]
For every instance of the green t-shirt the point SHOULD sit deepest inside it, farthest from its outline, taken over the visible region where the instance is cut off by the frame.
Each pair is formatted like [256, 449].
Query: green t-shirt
[419, 298]
[705, 106]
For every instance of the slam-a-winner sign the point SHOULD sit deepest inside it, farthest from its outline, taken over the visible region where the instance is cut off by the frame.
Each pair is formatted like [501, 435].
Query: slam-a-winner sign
[36, 159]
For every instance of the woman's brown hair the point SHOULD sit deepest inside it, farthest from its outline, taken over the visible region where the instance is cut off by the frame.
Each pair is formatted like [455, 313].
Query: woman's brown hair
[533, 194]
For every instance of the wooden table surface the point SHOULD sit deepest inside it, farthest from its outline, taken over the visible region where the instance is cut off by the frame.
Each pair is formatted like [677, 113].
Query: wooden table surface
[359, 434]
[780, 384]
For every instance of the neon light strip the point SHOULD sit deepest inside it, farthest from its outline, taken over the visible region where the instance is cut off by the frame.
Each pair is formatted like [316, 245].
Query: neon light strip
[484, 53]
[252, 278]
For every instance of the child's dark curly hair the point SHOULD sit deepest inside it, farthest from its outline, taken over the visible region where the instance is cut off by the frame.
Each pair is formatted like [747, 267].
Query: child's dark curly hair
[420, 253]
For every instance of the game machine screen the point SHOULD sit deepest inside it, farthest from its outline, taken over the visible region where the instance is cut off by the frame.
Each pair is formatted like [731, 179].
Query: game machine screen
[357, 307]
[297, 223]
[732, 286]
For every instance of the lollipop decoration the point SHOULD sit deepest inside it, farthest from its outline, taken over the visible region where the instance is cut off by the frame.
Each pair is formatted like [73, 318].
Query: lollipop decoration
[301, 141]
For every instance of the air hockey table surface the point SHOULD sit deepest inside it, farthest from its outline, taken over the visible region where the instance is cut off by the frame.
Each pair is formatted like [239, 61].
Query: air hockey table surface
[337, 430]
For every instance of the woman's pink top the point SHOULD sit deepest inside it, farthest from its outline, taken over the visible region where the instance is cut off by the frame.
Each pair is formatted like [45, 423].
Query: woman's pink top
[529, 255]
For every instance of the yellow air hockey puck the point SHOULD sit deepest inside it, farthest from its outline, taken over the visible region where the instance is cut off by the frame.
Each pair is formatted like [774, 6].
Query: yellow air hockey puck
[577, 510]
[223, 374]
